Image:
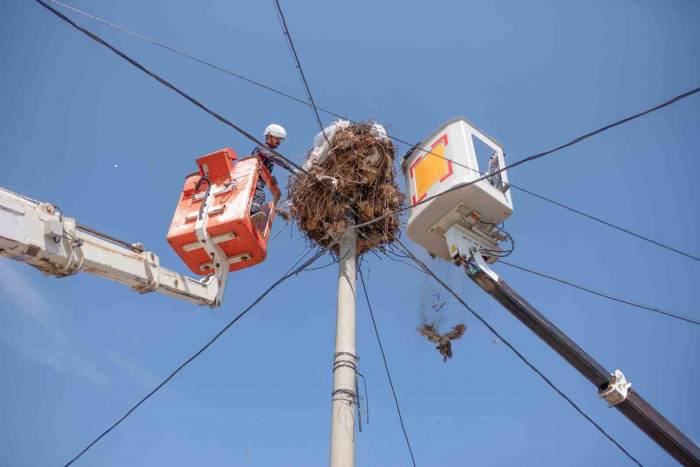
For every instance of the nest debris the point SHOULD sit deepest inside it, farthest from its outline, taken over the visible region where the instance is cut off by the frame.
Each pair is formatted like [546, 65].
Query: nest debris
[443, 341]
[362, 162]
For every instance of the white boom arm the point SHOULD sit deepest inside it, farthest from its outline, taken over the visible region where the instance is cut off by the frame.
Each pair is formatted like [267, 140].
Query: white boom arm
[38, 234]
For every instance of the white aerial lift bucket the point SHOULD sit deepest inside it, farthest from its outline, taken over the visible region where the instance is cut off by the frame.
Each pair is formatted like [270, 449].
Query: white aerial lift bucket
[440, 174]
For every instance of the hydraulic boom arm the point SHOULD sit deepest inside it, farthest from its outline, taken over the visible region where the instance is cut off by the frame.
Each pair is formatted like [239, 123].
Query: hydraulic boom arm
[612, 387]
[38, 234]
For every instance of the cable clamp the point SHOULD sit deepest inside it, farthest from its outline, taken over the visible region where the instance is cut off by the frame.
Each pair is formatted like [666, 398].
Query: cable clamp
[617, 389]
[340, 362]
[345, 395]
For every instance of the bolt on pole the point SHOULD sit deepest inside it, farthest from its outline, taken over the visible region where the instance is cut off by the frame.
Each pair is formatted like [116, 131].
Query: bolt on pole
[345, 358]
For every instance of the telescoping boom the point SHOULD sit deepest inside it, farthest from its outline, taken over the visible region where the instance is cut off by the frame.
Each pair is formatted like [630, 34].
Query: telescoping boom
[455, 216]
[38, 234]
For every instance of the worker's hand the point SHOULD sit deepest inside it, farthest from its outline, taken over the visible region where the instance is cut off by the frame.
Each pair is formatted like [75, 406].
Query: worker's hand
[276, 193]
[274, 181]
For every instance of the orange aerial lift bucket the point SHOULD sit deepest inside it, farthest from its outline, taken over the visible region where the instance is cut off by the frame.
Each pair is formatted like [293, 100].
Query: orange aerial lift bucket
[212, 221]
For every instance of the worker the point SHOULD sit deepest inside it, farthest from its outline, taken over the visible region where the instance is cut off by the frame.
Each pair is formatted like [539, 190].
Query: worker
[274, 135]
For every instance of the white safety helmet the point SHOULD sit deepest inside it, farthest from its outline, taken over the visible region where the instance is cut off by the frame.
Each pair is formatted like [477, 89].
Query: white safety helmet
[275, 130]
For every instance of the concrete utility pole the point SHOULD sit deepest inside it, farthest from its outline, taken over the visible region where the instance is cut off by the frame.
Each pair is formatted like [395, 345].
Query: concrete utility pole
[345, 358]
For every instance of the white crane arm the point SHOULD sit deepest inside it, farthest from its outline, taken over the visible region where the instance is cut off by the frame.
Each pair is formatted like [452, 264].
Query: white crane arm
[38, 234]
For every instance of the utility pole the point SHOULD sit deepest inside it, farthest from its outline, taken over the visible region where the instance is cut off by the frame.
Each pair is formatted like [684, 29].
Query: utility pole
[345, 359]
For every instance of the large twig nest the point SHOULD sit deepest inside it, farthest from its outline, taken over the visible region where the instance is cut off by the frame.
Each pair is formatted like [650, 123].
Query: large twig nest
[362, 161]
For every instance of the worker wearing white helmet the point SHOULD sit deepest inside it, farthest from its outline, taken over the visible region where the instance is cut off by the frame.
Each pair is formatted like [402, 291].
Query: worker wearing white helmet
[274, 135]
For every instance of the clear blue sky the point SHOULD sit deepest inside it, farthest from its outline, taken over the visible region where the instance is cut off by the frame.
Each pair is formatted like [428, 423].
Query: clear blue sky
[110, 146]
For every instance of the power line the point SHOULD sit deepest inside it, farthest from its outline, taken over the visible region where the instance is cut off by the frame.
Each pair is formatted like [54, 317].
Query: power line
[386, 367]
[562, 205]
[293, 50]
[164, 82]
[191, 57]
[194, 58]
[602, 294]
[198, 353]
[429, 272]
[335, 114]
[537, 156]
[607, 223]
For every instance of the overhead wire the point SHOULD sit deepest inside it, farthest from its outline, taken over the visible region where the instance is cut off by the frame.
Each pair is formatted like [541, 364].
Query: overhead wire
[167, 84]
[397, 259]
[393, 137]
[602, 294]
[522, 357]
[193, 58]
[386, 367]
[608, 223]
[324, 266]
[535, 157]
[199, 352]
[295, 56]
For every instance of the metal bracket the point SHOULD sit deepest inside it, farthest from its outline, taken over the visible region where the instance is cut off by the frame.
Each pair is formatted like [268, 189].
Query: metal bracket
[216, 189]
[464, 249]
[74, 264]
[152, 265]
[483, 265]
[61, 230]
[217, 255]
[617, 389]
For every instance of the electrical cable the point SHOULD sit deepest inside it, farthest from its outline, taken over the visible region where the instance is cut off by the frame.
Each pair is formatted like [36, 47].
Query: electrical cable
[524, 359]
[392, 257]
[609, 224]
[323, 266]
[279, 281]
[386, 367]
[295, 56]
[538, 156]
[192, 57]
[167, 84]
[335, 114]
[569, 208]
[602, 294]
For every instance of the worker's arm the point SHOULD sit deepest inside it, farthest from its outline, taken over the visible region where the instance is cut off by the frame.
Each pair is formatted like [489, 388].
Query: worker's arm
[271, 183]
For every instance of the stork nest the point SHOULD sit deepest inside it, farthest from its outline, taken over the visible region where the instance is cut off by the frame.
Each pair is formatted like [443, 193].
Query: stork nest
[362, 162]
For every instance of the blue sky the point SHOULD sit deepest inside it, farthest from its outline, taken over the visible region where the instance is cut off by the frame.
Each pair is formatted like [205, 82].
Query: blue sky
[110, 146]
